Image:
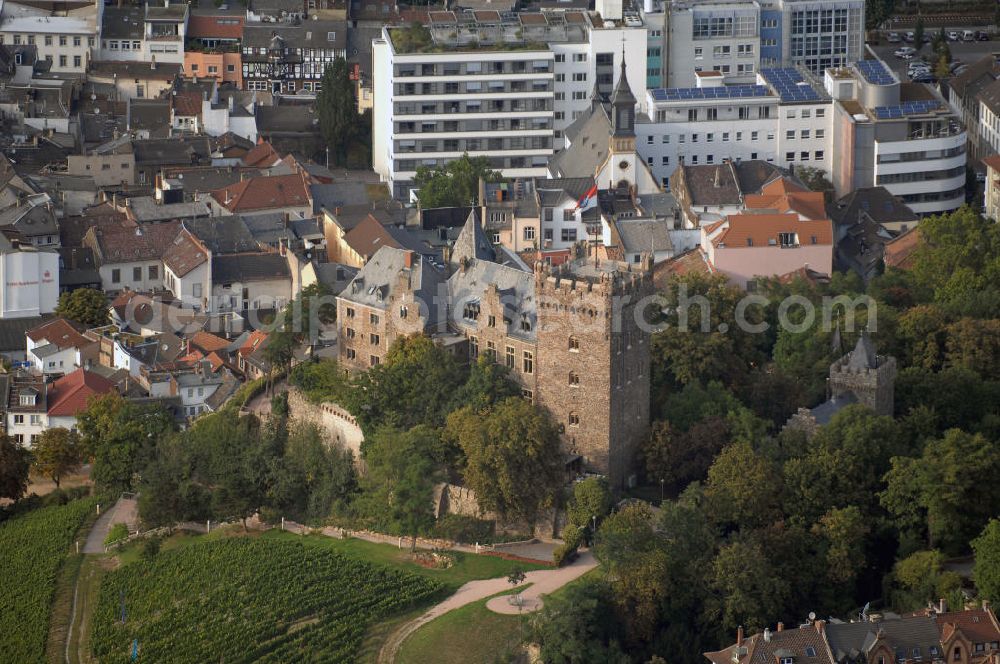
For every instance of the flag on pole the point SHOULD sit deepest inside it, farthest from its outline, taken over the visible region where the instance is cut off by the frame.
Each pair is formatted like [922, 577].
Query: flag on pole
[588, 200]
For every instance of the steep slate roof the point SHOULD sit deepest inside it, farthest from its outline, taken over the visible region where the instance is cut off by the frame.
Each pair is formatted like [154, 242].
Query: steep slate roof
[516, 288]
[979, 73]
[639, 235]
[898, 634]
[712, 185]
[122, 22]
[265, 193]
[185, 254]
[380, 277]
[752, 175]
[117, 244]
[223, 235]
[60, 333]
[472, 243]
[589, 145]
[978, 625]
[875, 202]
[805, 645]
[68, 395]
[249, 267]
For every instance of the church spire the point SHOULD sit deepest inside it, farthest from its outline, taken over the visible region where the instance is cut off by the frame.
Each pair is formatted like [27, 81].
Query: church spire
[623, 105]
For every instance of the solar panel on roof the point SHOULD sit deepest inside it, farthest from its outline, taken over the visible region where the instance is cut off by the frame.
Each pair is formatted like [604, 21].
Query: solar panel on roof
[907, 108]
[724, 92]
[789, 84]
[875, 72]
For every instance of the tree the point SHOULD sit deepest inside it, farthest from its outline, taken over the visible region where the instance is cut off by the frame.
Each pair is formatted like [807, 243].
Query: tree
[986, 572]
[399, 486]
[743, 487]
[86, 306]
[57, 453]
[336, 110]
[590, 503]
[415, 385]
[678, 458]
[318, 477]
[918, 34]
[487, 384]
[513, 460]
[949, 491]
[974, 344]
[747, 588]
[120, 437]
[454, 184]
[816, 180]
[922, 578]
[15, 462]
[842, 532]
[942, 69]
[579, 626]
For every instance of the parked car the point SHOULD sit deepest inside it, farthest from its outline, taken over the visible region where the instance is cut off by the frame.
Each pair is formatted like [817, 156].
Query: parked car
[953, 35]
[894, 38]
[982, 35]
[924, 77]
[909, 37]
[955, 64]
[909, 55]
[927, 38]
[916, 64]
[968, 35]
[905, 51]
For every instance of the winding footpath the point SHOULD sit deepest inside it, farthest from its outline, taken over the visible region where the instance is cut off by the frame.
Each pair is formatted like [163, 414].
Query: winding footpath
[543, 582]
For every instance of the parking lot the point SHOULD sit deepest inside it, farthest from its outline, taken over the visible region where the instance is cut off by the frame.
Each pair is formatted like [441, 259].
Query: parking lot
[966, 52]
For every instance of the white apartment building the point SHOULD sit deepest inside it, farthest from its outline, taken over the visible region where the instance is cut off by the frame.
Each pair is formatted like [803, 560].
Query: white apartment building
[902, 136]
[155, 30]
[782, 118]
[63, 32]
[500, 87]
[737, 37]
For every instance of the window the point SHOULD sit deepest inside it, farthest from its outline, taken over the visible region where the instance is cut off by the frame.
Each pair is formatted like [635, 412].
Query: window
[350, 353]
[349, 332]
[574, 379]
[709, 138]
[804, 156]
[471, 311]
[820, 133]
[694, 138]
[753, 136]
[580, 77]
[373, 319]
[76, 41]
[473, 347]
[374, 360]
[810, 651]
[804, 134]
[77, 61]
[36, 419]
[373, 339]
[212, 69]
[19, 419]
[526, 393]
[230, 68]
[62, 40]
[137, 274]
[568, 234]
[196, 290]
[956, 654]
[48, 40]
[819, 155]
[692, 115]
[790, 135]
[491, 351]
[509, 359]
[62, 60]
[528, 363]
[525, 323]
[574, 420]
[560, 57]
[820, 112]
[194, 65]
[154, 272]
[529, 233]
[116, 276]
[665, 161]
[789, 156]
[574, 345]
[579, 57]
[403, 311]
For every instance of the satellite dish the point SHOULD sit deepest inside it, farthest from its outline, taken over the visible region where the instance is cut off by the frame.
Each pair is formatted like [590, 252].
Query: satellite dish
[812, 615]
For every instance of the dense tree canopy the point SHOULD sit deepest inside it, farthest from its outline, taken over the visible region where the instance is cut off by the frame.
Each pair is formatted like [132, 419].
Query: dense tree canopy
[15, 462]
[337, 110]
[455, 184]
[86, 306]
[57, 452]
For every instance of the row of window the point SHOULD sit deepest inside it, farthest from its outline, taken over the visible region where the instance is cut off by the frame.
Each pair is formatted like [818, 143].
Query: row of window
[373, 338]
[725, 51]
[48, 39]
[527, 357]
[153, 271]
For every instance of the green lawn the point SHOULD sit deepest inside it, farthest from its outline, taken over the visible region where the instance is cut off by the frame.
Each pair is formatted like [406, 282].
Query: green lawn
[472, 633]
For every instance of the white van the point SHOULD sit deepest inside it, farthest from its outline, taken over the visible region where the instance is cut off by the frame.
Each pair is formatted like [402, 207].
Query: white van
[968, 35]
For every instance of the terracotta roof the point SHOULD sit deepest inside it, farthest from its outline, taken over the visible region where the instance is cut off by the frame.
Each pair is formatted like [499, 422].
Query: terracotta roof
[812, 276]
[261, 155]
[782, 195]
[264, 193]
[216, 361]
[369, 236]
[59, 332]
[761, 230]
[121, 244]
[899, 251]
[187, 104]
[69, 395]
[218, 27]
[185, 254]
[993, 161]
[978, 625]
[252, 342]
[208, 342]
[804, 645]
[690, 262]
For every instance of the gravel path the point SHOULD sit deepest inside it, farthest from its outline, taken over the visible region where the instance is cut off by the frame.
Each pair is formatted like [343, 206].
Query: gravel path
[124, 511]
[542, 582]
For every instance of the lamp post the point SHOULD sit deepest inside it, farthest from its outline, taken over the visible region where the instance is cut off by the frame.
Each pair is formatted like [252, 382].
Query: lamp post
[661, 492]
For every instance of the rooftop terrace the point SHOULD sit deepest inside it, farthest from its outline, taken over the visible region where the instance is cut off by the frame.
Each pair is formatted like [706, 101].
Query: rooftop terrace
[490, 30]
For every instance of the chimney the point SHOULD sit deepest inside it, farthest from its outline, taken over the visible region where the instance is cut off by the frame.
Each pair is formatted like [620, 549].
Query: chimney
[942, 606]
[231, 104]
[767, 635]
[739, 636]
[717, 183]
[482, 190]
[152, 62]
[781, 627]
[409, 255]
[820, 626]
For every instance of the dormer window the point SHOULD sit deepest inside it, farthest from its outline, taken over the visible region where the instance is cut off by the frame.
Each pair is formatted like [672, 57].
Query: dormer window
[471, 311]
[525, 323]
[787, 239]
[28, 399]
[787, 660]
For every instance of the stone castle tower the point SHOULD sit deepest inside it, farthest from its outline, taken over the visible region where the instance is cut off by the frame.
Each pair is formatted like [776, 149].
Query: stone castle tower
[870, 377]
[594, 361]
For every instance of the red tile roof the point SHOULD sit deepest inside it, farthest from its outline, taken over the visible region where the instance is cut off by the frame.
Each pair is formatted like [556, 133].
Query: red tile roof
[59, 332]
[978, 625]
[218, 27]
[69, 395]
[208, 342]
[187, 104]
[254, 340]
[993, 161]
[783, 195]
[264, 193]
[759, 230]
[119, 244]
[185, 254]
[262, 155]
[899, 250]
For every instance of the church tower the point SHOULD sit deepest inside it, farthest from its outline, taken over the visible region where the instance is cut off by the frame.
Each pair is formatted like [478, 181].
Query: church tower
[623, 156]
[870, 377]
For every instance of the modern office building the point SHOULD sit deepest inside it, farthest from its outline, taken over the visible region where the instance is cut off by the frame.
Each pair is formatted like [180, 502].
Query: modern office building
[737, 37]
[783, 118]
[902, 136]
[500, 86]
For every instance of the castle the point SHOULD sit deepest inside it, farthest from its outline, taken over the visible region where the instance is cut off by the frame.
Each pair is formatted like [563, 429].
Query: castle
[861, 376]
[570, 336]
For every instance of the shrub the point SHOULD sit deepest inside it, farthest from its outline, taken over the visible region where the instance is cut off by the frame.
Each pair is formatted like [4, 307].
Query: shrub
[150, 548]
[566, 552]
[118, 532]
